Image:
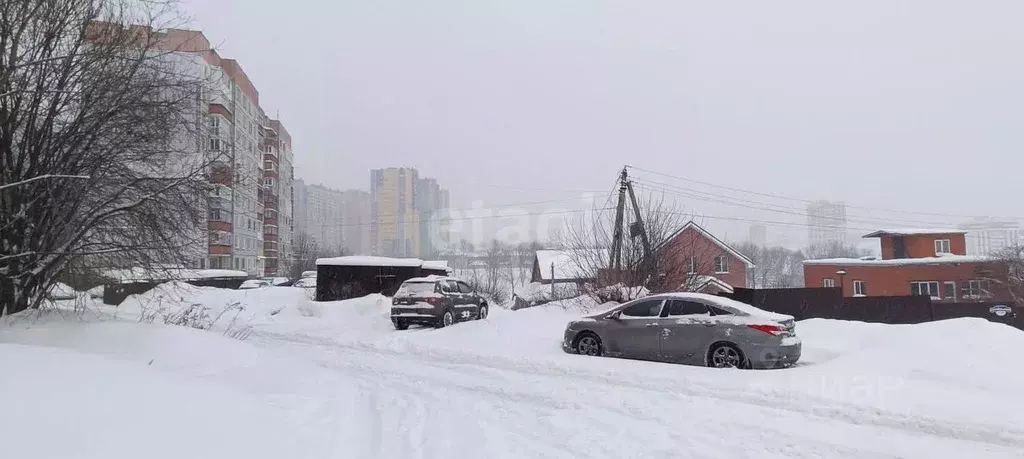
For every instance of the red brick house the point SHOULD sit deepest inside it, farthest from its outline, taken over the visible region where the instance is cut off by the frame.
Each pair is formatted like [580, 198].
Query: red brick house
[703, 263]
[913, 262]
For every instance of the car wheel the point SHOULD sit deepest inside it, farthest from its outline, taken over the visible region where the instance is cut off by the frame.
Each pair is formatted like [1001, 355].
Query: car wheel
[482, 313]
[447, 319]
[726, 355]
[588, 344]
[399, 325]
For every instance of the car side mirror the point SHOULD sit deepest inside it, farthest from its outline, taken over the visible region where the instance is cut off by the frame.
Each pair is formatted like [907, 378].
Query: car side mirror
[615, 315]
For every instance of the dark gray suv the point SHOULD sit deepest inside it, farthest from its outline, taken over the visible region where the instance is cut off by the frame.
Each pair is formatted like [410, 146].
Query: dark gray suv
[436, 300]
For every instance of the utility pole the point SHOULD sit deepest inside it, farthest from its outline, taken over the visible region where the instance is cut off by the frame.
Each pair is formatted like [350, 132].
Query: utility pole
[616, 255]
[640, 227]
[552, 280]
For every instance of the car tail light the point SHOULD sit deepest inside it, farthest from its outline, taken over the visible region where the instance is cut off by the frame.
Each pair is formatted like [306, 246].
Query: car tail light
[774, 330]
[434, 301]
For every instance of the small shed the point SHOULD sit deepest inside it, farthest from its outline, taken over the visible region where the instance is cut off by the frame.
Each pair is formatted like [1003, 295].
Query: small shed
[124, 283]
[341, 278]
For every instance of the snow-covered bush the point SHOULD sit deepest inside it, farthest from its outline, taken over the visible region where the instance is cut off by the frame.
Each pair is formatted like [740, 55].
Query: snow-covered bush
[618, 293]
[536, 293]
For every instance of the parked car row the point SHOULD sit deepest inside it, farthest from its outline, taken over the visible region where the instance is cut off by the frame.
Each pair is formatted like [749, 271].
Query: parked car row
[688, 328]
[306, 280]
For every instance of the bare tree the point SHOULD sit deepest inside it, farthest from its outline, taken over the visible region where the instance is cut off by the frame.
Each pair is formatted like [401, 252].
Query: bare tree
[587, 240]
[305, 251]
[774, 267]
[491, 279]
[1003, 278]
[89, 89]
[834, 249]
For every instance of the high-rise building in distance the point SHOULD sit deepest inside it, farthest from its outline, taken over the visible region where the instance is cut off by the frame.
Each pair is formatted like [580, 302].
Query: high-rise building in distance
[826, 222]
[758, 235]
[989, 236]
[404, 210]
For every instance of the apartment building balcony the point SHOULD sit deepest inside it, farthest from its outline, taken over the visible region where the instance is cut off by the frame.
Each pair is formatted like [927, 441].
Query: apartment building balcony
[269, 238]
[221, 175]
[216, 225]
[221, 193]
[217, 249]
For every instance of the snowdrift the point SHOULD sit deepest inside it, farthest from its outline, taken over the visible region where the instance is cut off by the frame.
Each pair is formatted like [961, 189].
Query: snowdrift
[209, 307]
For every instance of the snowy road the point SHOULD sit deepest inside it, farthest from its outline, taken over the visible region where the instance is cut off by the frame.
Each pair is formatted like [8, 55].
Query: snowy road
[335, 380]
[447, 393]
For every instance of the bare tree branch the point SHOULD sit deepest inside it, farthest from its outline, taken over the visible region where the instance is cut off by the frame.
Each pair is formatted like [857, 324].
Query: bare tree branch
[89, 89]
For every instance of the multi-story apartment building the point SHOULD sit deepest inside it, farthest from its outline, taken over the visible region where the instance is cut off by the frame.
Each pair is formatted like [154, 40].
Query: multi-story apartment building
[318, 214]
[231, 141]
[395, 230]
[356, 219]
[826, 223]
[278, 177]
[429, 201]
[406, 213]
[990, 236]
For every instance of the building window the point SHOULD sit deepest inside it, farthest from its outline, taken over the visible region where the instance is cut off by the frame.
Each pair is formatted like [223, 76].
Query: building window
[214, 144]
[927, 288]
[828, 283]
[949, 290]
[721, 265]
[942, 246]
[214, 125]
[692, 265]
[860, 288]
[976, 289]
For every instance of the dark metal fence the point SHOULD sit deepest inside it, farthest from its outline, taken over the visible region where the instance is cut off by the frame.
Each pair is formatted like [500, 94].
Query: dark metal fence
[828, 303]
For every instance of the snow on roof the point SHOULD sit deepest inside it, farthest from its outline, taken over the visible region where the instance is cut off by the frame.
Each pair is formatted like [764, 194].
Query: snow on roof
[370, 261]
[439, 265]
[721, 244]
[913, 232]
[569, 264]
[944, 259]
[143, 275]
[700, 281]
[728, 303]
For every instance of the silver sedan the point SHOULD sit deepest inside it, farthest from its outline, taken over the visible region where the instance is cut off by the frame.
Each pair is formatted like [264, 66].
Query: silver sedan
[689, 328]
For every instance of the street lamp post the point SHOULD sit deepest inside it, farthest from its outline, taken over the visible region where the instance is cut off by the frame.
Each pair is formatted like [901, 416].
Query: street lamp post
[841, 273]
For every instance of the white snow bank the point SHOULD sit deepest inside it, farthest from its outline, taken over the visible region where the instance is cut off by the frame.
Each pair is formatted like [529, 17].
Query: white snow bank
[60, 403]
[170, 273]
[62, 291]
[221, 307]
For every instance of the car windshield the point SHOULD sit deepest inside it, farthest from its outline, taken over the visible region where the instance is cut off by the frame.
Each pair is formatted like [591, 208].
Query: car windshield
[415, 288]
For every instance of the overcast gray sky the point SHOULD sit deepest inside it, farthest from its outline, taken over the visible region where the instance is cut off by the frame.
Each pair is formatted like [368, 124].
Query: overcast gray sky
[913, 105]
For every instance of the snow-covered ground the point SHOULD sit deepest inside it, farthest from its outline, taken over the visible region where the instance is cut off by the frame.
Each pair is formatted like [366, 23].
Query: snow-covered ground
[323, 380]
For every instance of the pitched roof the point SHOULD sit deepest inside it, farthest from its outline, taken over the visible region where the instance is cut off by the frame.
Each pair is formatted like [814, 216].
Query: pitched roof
[711, 237]
[698, 283]
[568, 264]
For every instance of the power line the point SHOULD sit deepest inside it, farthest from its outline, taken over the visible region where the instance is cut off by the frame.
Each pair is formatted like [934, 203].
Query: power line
[758, 205]
[770, 195]
[480, 217]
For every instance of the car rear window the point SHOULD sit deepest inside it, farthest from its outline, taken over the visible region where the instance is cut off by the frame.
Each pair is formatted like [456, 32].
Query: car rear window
[416, 288]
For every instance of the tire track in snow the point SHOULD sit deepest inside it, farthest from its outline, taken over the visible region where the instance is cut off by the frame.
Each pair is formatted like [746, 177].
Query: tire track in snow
[788, 401]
